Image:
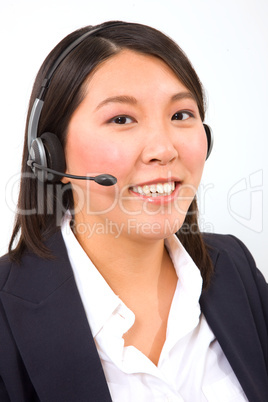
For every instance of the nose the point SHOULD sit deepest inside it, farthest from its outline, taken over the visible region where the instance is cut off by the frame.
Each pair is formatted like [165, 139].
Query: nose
[160, 147]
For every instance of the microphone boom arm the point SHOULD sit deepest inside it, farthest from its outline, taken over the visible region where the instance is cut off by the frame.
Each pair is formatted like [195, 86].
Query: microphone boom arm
[102, 179]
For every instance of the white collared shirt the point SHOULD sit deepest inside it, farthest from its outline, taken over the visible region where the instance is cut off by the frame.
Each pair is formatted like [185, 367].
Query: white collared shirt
[192, 366]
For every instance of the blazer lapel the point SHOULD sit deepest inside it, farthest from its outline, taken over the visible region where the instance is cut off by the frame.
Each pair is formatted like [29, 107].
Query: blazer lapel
[51, 330]
[228, 312]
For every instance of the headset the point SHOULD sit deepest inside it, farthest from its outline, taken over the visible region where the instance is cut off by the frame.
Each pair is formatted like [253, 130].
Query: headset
[46, 154]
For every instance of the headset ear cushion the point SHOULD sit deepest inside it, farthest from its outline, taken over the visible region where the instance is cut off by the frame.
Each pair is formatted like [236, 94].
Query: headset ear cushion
[54, 153]
[210, 139]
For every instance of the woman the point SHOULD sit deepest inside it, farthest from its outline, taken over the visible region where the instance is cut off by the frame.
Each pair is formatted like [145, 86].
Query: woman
[100, 300]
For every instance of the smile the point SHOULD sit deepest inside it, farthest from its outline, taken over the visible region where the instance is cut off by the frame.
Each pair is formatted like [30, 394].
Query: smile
[155, 190]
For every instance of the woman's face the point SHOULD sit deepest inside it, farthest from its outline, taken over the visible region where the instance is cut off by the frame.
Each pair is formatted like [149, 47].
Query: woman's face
[139, 123]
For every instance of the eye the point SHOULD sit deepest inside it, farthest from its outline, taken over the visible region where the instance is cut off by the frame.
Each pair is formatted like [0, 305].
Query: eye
[121, 120]
[182, 115]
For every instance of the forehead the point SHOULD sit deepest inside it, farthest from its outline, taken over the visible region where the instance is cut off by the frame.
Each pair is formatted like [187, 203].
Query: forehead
[132, 70]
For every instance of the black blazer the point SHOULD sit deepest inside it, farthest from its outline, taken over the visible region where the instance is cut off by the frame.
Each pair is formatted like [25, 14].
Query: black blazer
[47, 352]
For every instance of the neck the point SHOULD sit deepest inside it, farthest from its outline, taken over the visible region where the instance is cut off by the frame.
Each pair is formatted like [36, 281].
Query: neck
[127, 263]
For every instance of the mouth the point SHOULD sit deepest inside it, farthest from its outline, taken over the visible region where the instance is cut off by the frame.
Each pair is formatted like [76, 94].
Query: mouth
[155, 190]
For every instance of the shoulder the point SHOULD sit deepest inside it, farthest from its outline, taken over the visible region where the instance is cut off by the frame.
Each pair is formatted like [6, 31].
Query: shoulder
[235, 268]
[224, 242]
[34, 277]
[230, 248]
[229, 245]
[232, 259]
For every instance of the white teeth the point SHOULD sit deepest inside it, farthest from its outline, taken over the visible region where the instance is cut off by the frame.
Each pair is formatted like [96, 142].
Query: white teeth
[159, 188]
[146, 190]
[167, 187]
[155, 190]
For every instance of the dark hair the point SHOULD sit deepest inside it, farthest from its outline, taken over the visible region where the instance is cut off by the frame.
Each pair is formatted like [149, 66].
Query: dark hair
[65, 93]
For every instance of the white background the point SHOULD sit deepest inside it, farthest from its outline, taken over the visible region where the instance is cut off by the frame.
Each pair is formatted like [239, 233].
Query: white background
[227, 42]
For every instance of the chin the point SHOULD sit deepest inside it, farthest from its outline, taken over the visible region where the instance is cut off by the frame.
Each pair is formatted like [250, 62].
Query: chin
[154, 229]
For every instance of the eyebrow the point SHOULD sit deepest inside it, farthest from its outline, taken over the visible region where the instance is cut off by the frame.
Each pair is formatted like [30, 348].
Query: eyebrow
[183, 95]
[118, 99]
[133, 101]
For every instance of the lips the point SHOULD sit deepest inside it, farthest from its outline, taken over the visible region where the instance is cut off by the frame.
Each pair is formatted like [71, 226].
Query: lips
[155, 189]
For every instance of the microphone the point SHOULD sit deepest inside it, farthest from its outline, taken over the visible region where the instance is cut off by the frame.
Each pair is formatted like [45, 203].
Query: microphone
[102, 179]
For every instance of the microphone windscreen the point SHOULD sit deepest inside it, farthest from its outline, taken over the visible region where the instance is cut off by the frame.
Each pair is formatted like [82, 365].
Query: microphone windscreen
[105, 180]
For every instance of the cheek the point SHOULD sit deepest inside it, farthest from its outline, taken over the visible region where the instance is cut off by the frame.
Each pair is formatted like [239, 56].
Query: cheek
[93, 156]
[194, 154]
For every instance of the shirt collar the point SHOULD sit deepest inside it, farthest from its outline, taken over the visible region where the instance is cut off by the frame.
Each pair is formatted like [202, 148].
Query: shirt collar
[99, 300]
[188, 273]
[185, 309]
